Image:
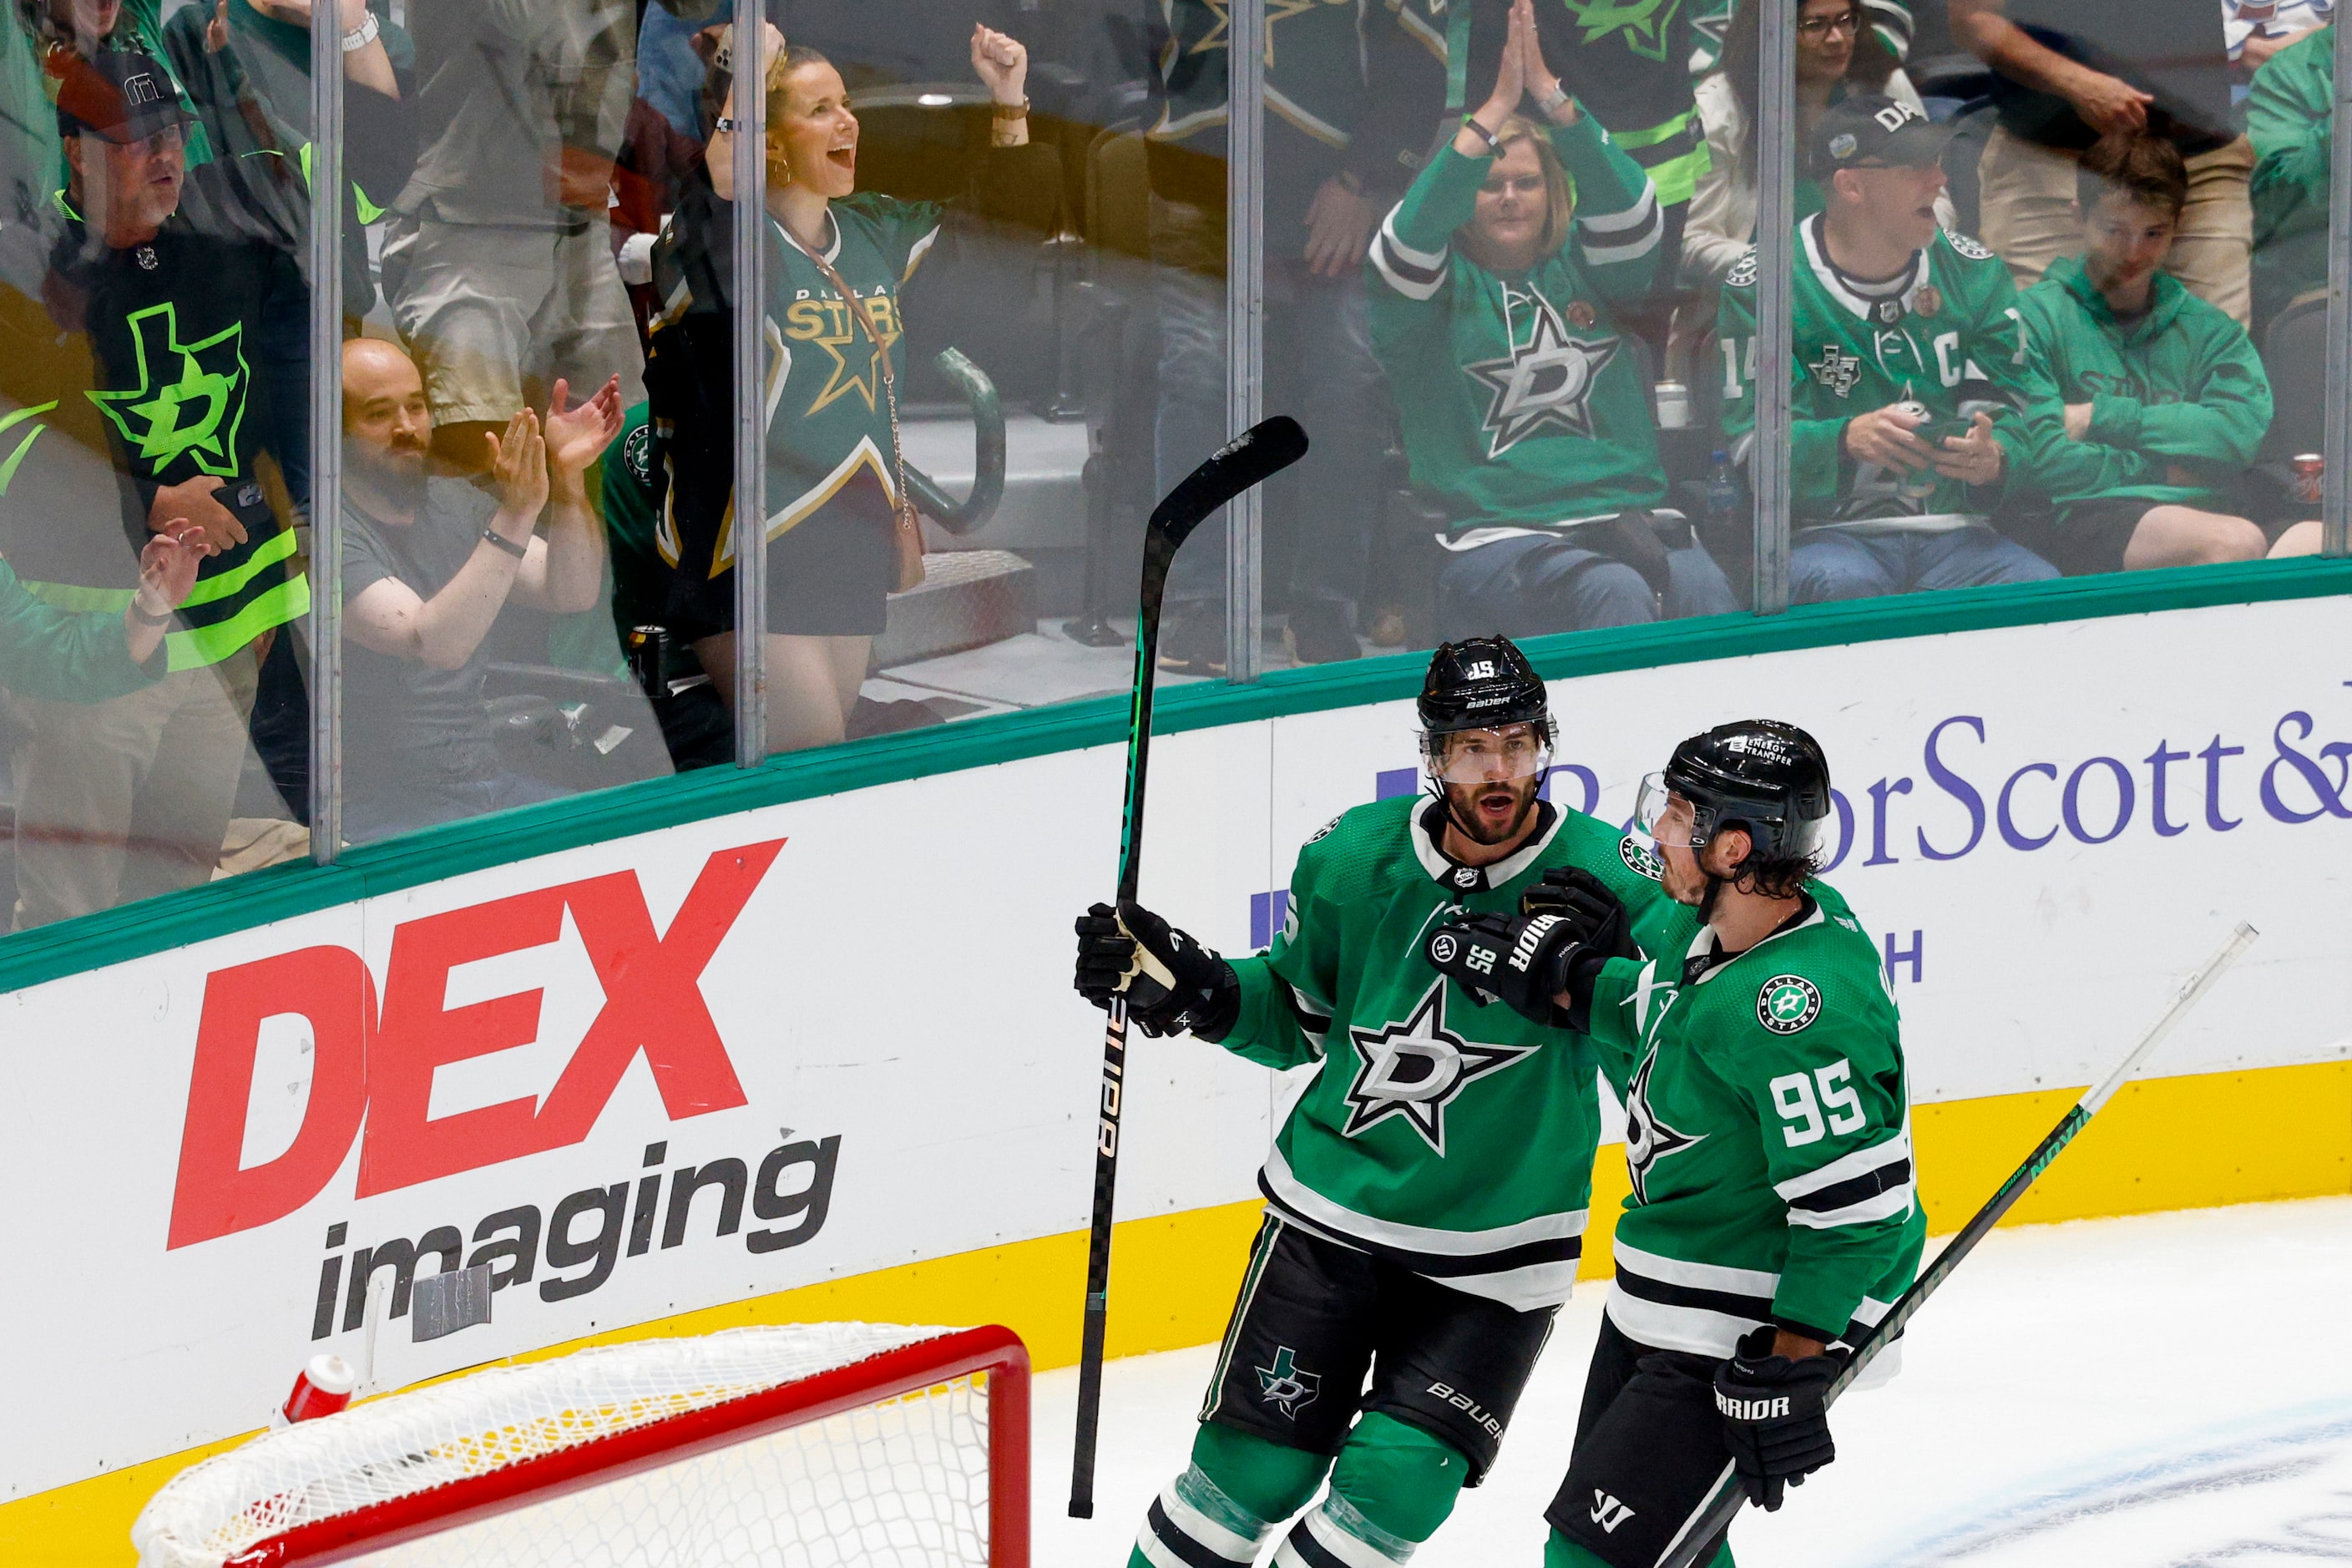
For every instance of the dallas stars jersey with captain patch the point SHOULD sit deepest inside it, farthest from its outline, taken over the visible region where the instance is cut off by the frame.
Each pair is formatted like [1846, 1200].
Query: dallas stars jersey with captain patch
[1522, 403]
[1453, 1138]
[1768, 1135]
[1952, 318]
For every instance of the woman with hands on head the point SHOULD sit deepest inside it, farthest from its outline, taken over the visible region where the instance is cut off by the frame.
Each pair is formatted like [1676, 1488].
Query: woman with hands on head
[835, 470]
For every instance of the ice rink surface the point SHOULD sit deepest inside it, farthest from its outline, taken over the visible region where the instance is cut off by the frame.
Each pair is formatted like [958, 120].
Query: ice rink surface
[2166, 1391]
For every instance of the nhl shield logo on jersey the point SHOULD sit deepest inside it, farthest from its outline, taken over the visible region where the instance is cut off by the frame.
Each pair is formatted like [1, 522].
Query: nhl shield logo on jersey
[1284, 1385]
[1638, 858]
[1414, 1069]
[1787, 1002]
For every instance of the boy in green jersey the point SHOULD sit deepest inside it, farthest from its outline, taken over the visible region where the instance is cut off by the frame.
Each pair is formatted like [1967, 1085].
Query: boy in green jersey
[2166, 401]
[1772, 1219]
[1426, 1193]
[1915, 396]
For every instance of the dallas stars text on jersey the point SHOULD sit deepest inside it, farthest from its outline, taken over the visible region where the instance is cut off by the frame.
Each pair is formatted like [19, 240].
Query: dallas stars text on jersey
[1453, 1139]
[1521, 403]
[1768, 1134]
[1951, 319]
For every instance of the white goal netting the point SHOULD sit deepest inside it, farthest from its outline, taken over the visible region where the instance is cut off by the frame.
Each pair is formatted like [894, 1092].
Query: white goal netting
[900, 1482]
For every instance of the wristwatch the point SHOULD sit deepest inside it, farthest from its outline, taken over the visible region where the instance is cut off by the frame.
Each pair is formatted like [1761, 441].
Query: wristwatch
[518, 551]
[1551, 102]
[146, 618]
[361, 37]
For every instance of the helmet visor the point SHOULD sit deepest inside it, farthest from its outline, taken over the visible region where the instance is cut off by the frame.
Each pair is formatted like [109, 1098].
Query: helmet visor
[1487, 756]
[1662, 815]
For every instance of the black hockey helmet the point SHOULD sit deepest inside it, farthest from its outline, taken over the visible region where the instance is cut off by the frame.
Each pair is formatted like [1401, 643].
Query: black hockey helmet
[1760, 775]
[1482, 683]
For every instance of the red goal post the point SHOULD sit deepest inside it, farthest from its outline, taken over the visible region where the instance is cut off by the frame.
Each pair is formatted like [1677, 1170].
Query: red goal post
[501, 1454]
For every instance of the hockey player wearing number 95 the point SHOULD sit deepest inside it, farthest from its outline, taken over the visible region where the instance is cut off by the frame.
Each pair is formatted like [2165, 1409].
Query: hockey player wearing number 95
[1426, 1193]
[1772, 1219]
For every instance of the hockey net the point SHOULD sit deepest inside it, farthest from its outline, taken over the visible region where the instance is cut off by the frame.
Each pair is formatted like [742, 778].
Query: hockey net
[804, 1445]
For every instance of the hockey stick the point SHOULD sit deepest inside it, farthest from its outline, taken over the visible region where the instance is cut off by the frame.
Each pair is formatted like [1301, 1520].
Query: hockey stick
[1257, 454]
[1724, 1505]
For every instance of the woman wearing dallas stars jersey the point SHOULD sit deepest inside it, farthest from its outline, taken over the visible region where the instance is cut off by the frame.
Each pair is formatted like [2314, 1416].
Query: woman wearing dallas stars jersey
[1773, 1219]
[833, 454]
[1492, 285]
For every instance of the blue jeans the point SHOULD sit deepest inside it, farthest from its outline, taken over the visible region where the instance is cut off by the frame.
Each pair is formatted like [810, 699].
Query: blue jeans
[1832, 563]
[1533, 585]
[1319, 368]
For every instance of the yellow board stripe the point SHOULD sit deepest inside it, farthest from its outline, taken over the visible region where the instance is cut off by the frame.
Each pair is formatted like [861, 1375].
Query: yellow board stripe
[2167, 1143]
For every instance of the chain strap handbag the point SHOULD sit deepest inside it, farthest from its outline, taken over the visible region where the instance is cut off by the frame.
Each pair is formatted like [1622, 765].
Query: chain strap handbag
[907, 532]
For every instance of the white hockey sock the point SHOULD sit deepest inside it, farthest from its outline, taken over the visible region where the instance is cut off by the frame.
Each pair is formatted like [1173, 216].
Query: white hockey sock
[1334, 1534]
[1191, 1524]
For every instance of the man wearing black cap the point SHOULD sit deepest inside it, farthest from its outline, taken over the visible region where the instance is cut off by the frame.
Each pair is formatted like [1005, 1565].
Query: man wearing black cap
[1912, 373]
[131, 798]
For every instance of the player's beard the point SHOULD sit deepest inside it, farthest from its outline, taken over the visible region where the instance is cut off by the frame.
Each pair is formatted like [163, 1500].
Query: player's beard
[1462, 806]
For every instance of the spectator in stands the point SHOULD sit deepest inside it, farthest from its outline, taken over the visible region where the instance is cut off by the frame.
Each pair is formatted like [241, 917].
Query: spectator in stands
[131, 798]
[2290, 121]
[1910, 377]
[2070, 71]
[1889, 22]
[67, 31]
[836, 542]
[246, 65]
[1839, 53]
[1352, 93]
[428, 564]
[89, 656]
[498, 262]
[1524, 406]
[2165, 399]
[2257, 29]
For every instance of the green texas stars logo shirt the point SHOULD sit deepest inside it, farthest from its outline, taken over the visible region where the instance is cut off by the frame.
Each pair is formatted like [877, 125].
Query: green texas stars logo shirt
[190, 400]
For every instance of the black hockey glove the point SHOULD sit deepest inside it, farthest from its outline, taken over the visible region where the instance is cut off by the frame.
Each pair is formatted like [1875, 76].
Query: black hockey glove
[1774, 1420]
[1172, 983]
[1588, 905]
[1524, 962]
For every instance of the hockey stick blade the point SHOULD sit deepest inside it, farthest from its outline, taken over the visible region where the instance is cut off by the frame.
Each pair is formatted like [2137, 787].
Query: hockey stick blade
[1255, 456]
[1723, 1506]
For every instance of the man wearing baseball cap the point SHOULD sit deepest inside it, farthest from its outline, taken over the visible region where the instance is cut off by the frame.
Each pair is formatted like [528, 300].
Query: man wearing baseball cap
[1912, 373]
[199, 419]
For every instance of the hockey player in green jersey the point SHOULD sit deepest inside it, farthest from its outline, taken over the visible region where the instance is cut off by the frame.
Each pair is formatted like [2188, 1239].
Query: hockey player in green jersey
[1495, 286]
[1915, 396]
[1426, 1192]
[2164, 400]
[1772, 1219]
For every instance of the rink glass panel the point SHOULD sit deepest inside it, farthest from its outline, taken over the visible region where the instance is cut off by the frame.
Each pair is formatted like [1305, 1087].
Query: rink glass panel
[153, 359]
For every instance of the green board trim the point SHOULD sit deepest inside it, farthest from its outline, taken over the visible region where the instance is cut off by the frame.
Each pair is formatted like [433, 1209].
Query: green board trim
[281, 892]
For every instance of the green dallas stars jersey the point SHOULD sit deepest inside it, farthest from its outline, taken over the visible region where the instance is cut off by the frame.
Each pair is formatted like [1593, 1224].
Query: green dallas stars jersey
[1520, 401]
[1953, 319]
[1453, 1139]
[1768, 1135]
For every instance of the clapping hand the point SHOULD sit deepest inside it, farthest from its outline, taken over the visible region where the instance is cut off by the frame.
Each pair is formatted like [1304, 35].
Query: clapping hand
[577, 437]
[519, 464]
[167, 566]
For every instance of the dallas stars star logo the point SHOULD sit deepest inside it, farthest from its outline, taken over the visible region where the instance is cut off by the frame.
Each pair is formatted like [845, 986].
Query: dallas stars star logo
[1547, 381]
[867, 382]
[1284, 1387]
[1836, 369]
[1647, 1139]
[1417, 1068]
[197, 411]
